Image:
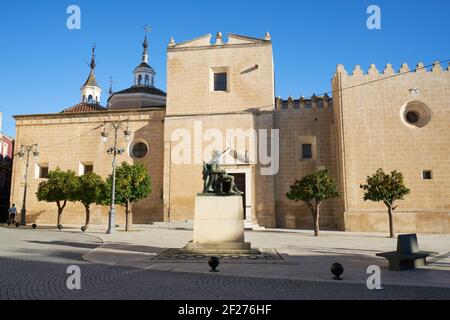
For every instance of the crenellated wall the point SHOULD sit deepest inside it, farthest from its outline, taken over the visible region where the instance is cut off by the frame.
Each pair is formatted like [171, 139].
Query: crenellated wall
[373, 114]
[304, 121]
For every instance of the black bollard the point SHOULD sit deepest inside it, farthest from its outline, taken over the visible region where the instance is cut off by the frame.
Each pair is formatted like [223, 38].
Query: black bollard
[17, 224]
[83, 228]
[337, 269]
[60, 226]
[214, 263]
[34, 225]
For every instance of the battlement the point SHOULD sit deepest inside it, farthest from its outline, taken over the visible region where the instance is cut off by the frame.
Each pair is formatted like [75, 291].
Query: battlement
[315, 102]
[373, 72]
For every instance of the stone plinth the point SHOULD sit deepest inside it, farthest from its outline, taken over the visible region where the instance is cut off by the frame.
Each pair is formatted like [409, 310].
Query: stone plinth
[218, 224]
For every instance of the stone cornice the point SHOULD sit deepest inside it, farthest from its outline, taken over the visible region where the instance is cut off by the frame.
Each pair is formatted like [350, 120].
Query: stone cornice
[213, 47]
[98, 116]
[88, 114]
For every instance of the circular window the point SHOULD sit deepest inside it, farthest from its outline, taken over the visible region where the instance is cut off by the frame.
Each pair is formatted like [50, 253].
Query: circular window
[412, 117]
[139, 150]
[416, 114]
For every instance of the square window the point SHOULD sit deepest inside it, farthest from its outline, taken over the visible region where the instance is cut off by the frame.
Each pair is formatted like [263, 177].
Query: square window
[307, 151]
[43, 172]
[427, 175]
[220, 81]
[88, 169]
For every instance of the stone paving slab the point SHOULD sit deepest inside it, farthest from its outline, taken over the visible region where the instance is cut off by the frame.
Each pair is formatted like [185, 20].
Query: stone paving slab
[304, 257]
[34, 262]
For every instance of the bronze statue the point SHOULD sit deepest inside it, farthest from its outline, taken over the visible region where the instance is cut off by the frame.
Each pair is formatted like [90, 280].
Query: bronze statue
[215, 179]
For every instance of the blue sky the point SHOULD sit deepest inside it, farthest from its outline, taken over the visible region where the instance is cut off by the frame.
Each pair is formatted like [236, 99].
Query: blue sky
[42, 62]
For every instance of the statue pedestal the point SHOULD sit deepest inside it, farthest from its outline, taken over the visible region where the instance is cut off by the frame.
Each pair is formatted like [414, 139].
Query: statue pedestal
[218, 225]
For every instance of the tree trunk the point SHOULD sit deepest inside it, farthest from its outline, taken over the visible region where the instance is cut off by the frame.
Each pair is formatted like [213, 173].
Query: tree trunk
[88, 216]
[391, 222]
[316, 220]
[60, 211]
[127, 216]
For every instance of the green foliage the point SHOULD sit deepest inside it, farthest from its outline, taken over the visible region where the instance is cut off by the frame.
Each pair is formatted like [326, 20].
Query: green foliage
[90, 189]
[133, 183]
[318, 186]
[313, 189]
[386, 188]
[59, 187]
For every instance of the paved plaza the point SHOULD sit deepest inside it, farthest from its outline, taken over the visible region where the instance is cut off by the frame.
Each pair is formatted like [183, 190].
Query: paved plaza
[33, 265]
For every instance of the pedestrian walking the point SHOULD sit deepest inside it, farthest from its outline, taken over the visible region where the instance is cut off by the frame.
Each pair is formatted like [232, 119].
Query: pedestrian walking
[12, 215]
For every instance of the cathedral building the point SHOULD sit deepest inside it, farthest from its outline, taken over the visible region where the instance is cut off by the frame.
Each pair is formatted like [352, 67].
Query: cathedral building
[221, 96]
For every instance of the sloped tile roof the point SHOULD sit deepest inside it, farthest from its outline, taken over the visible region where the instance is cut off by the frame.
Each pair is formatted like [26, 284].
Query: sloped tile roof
[84, 107]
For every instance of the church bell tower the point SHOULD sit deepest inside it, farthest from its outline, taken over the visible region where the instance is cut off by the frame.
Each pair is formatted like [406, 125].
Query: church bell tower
[90, 91]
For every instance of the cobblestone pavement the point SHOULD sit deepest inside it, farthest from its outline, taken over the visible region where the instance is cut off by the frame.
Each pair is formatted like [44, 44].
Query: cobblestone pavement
[33, 265]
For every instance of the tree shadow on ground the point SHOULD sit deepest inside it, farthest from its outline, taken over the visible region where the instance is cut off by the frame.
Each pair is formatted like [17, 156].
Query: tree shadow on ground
[83, 245]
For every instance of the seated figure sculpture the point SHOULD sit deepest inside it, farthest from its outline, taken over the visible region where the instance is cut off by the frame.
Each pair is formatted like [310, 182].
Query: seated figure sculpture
[217, 180]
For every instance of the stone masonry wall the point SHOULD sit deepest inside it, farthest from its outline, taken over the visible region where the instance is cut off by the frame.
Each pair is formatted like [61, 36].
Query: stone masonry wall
[304, 122]
[66, 140]
[374, 134]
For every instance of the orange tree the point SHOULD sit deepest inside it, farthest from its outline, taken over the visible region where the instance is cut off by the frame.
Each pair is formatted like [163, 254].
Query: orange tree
[133, 184]
[386, 188]
[60, 187]
[90, 190]
[313, 189]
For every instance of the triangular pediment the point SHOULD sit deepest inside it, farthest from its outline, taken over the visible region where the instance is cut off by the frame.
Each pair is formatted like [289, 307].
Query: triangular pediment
[238, 39]
[197, 42]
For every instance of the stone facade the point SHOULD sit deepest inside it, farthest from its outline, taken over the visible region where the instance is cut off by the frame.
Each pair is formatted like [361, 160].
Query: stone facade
[246, 104]
[372, 133]
[69, 140]
[305, 122]
[362, 127]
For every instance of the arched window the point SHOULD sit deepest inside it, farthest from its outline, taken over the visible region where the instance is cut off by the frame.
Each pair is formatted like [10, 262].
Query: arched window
[139, 79]
[147, 80]
[90, 100]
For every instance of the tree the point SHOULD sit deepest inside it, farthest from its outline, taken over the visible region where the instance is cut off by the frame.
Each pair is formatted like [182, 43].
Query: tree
[387, 188]
[133, 183]
[90, 190]
[59, 188]
[313, 189]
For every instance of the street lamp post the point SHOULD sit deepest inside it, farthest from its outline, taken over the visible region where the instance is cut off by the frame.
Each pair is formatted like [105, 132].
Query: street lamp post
[114, 151]
[26, 150]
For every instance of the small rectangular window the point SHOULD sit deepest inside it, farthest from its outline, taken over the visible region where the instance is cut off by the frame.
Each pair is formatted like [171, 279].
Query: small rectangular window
[43, 172]
[307, 151]
[220, 81]
[427, 175]
[88, 169]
